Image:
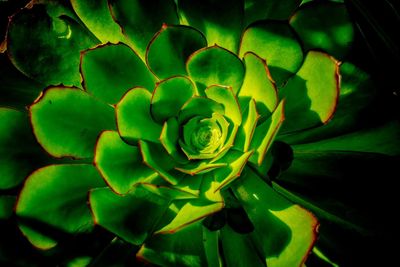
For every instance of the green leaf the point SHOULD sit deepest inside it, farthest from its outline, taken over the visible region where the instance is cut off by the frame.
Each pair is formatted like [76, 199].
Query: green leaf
[258, 85]
[273, 9]
[383, 139]
[182, 249]
[16, 89]
[284, 232]
[238, 250]
[236, 162]
[140, 20]
[120, 164]
[191, 212]
[199, 167]
[220, 21]
[55, 43]
[97, 18]
[6, 206]
[324, 25]
[156, 158]
[312, 95]
[169, 96]
[357, 93]
[110, 70]
[169, 139]
[199, 106]
[19, 152]
[215, 65]
[53, 202]
[277, 43]
[225, 96]
[165, 191]
[66, 121]
[211, 247]
[265, 133]
[134, 119]
[138, 212]
[168, 51]
[247, 128]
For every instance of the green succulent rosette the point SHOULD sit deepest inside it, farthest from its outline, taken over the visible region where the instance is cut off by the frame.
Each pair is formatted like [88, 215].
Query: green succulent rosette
[190, 133]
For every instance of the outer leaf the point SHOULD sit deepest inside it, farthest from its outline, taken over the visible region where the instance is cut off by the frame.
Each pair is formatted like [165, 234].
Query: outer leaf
[55, 43]
[140, 20]
[277, 43]
[138, 212]
[19, 152]
[220, 21]
[120, 164]
[265, 134]
[225, 96]
[6, 206]
[211, 247]
[284, 232]
[215, 66]
[324, 25]
[108, 71]
[97, 17]
[134, 119]
[357, 92]
[169, 96]
[258, 85]
[53, 200]
[16, 90]
[66, 121]
[261, 9]
[191, 212]
[183, 248]
[382, 139]
[312, 94]
[238, 249]
[169, 49]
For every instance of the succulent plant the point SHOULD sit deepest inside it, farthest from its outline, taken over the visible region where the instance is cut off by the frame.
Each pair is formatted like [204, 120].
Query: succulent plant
[193, 133]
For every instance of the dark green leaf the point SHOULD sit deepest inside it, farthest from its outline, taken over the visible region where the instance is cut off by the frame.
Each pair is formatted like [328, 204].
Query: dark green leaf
[168, 51]
[138, 212]
[55, 41]
[108, 71]
[220, 21]
[324, 25]
[19, 152]
[140, 20]
[182, 249]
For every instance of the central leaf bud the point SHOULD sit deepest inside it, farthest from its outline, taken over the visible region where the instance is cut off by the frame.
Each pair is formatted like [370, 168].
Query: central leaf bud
[206, 136]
